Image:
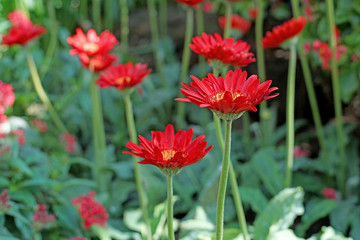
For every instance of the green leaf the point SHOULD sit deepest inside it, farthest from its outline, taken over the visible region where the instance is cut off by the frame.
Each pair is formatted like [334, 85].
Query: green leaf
[355, 224]
[254, 197]
[348, 84]
[265, 166]
[314, 210]
[279, 213]
[339, 217]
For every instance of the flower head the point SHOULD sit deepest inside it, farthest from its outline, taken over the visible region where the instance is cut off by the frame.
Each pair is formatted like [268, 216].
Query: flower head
[299, 152]
[227, 51]
[42, 219]
[123, 76]
[253, 12]
[169, 151]
[329, 193]
[4, 201]
[237, 22]
[20, 134]
[22, 30]
[284, 32]
[91, 211]
[40, 125]
[190, 2]
[324, 52]
[7, 98]
[69, 141]
[228, 97]
[98, 62]
[91, 44]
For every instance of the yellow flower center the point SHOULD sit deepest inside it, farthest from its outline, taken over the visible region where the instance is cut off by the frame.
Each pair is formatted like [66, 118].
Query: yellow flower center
[91, 47]
[219, 96]
[122, 80]
[168, 154]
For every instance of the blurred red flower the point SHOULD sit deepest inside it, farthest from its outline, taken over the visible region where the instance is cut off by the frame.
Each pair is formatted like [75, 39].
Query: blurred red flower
[69, 141]
[42, 219]
[4, 201]
[123, 76]
[98, 62]
[7, 98]
[20, 134]
[40, 125]
[253, 12]
[284, 32]
[22, 30]
[215, 48]
[77, 238]
[208, 7]
[355, 57]
[237, 22]
[190, 2]
[324, 52]
[329, 193]
[169, 151]
[228, 97]
[91, 211]
[299, 152]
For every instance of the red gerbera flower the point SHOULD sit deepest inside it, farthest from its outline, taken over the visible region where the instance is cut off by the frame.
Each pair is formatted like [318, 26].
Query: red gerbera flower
[91, 44]
[169, 151]
[237, 22]
[123, 76]
[91, 210]
[284, 32]
[7, 98]
[228, 97]
[22, 30]
[98, 62]
[224, 50]
[190, 2]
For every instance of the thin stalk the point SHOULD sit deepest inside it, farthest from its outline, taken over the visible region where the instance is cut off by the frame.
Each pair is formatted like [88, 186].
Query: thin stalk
[53, 42]
[223, 182]
[228, 13]
[139, 186]
[290, 115]
[341, 177]
[260, 60]
[163, 18]
[109, 15]
[124, 24]
[170, 215]
[42, 94]
[185, 63]
[96, 14]
[98, 136]
[84, 10]
[155, 41]
[199, 31]
[310, 88]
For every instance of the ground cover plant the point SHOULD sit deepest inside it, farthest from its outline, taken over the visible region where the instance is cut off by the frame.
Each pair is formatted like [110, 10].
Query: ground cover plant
[92, 93]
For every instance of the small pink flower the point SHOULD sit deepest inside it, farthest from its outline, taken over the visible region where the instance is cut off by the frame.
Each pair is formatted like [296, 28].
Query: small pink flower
[42, 219]
[4, 201]
[208, 7]
[4, 149]
[7, 98]
[329, 193]
[40, 125]
[253, 12]
[299, 152]
[355, 57]
[309, 13]
[69, 141]
[20, 134]
[307, 47]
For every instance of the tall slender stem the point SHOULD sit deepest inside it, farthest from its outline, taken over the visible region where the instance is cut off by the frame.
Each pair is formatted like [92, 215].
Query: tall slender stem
[98, 136]
[185, 63]
[337, 97]
[290, 115]
[96, 14]
[170, 214]
[42, 94]
[109, 15]
[260, 60]
[223, 182]
[310, 88]
[228, 13]
[124, 24]
[133, 138]
[199, 31]
[163, 18]
[155, 41]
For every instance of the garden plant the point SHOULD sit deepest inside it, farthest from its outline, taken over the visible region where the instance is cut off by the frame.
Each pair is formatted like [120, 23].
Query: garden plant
[94, 92]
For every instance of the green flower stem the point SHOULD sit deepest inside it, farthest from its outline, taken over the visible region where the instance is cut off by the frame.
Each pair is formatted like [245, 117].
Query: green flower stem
[223, 182]
[185, 62]
[171, 235]
[96, 15]
[337, 98]
[98, 136]
[228, 13]
[155, 41]
[108, 15]
[133, 138]
[42, 94]
[290, 115]
[310, 88]
[53, 42]
[199, 31]
[124, 24]
[84, 10]
[163, 17]
[260, 60]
